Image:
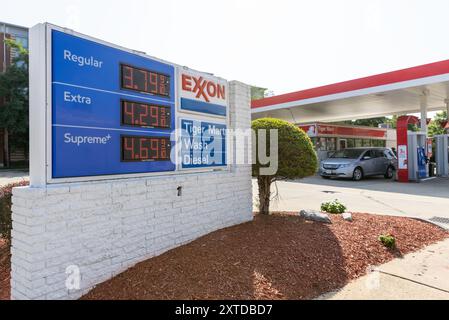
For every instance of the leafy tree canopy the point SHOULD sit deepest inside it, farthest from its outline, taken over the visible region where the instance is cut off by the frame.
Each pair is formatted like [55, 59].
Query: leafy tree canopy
[435, 127]
[14, 97]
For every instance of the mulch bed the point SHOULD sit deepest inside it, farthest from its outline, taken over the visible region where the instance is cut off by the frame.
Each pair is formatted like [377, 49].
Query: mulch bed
[275, 257]
[5, 267]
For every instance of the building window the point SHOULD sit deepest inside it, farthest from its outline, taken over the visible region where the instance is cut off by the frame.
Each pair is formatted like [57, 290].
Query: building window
[331, 144]
[379, 143]
[22, 40]
[366, 143]
[351, 143]
[321, 145]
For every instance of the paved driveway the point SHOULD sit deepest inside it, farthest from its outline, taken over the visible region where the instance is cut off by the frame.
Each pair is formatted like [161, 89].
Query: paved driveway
[375, 195]
[7, 177]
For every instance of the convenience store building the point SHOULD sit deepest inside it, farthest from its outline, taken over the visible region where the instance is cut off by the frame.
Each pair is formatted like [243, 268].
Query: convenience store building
[328, 138]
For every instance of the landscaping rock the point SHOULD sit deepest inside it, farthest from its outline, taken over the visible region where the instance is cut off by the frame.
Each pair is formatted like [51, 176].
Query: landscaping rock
[347, 216]
[315, 216]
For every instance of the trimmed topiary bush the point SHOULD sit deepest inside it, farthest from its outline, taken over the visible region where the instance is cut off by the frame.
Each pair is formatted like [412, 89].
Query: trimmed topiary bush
[388, 241]
[334, 207]
[5, 209]
[297, 158]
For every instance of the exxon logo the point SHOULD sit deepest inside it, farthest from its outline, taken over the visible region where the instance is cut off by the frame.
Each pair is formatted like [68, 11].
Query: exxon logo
[203, 88]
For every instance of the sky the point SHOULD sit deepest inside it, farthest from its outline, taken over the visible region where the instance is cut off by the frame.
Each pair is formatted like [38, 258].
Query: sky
[281, 45]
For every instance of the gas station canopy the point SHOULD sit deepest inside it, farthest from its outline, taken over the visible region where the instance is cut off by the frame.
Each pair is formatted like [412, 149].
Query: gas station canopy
[413, 90]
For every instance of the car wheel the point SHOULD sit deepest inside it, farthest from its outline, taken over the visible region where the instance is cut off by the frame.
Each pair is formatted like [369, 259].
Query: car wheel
[358, 174]
[390, 173]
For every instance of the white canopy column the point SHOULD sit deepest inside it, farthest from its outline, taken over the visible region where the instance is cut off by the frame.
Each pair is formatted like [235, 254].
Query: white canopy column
[424, 107]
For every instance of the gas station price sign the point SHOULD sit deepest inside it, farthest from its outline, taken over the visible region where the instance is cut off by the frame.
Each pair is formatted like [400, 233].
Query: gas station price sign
[112, 111]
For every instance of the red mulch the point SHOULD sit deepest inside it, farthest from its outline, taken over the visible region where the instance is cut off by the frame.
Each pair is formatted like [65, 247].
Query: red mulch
[275, 257]
[5, 267]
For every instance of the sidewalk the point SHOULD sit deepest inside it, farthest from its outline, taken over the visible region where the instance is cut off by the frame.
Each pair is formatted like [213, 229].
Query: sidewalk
[423, 275]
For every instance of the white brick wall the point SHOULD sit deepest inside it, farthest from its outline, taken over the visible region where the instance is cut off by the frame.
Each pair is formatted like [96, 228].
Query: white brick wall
[107, 227]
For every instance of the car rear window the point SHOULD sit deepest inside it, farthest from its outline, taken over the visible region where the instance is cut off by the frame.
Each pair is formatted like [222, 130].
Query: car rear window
[348, 154]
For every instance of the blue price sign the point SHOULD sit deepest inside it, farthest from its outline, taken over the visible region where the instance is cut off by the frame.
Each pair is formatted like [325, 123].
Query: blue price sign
[203, 144]
[112, 111]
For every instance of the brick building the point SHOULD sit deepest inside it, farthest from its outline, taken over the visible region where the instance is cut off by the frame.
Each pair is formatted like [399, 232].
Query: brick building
[20, 34]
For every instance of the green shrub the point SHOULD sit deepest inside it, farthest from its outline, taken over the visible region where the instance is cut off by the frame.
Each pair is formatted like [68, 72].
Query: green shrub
[388, 241]
[297, 158]
[5, 209]
[334, 207]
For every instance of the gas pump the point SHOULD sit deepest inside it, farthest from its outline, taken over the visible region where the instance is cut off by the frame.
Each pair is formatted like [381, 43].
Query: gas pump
[422, 163]
[413, 157]
[418, 161]
[442, 155]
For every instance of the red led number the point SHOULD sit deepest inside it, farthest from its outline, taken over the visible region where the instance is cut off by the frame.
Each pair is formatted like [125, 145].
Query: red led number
[128, 146]
[145, 149]
[128, 112]
[154, 116]
[164, 118]
[163, 85]
[155, 148]
[145, 81]
[163, 150]
[145, 115]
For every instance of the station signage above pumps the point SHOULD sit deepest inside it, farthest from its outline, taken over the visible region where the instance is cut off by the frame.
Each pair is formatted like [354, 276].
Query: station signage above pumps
[319, 129]
[113, 112]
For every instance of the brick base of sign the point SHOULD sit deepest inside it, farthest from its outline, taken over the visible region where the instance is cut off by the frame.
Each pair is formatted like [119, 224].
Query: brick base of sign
[106, 228]
[101, 229]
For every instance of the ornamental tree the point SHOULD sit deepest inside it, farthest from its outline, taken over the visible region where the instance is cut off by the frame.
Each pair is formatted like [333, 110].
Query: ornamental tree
[297, 158]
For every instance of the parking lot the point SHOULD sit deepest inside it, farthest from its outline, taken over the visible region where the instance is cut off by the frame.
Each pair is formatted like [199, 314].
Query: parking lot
[424, 200]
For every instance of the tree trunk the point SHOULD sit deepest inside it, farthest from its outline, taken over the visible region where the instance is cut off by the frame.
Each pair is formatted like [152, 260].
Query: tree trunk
[264, 194]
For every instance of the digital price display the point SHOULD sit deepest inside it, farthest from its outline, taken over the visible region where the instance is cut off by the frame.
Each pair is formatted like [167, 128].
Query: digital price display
[145, 81]
[112, 111]
[144, 149]
[145, 115]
